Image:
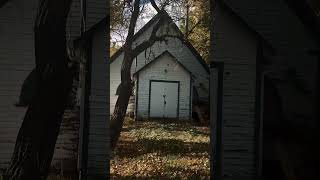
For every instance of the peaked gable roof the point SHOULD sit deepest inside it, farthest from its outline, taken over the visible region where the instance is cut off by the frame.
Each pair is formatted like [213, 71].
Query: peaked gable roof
[159, 57]
[185, 42]
[254, 32]
[269, 25]
[88, 33]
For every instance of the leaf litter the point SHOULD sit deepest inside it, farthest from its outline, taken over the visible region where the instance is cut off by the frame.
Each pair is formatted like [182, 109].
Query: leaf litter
[158, 149]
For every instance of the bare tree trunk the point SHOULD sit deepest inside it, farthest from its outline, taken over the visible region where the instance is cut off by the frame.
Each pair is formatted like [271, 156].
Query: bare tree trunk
[121, 106]
[129, 55]
[120, 109]
[187, 21]
[38, 134]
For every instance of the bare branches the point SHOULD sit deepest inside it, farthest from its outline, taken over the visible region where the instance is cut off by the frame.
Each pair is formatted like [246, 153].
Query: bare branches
[163, 5]
[154, 38]
[193, 27]
[133, 20]
[155, 6]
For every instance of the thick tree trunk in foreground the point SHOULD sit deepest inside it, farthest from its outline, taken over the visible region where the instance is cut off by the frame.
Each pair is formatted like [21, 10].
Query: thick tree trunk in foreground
[38, 134]
[118, 116]
[129, 55]
[126, 84]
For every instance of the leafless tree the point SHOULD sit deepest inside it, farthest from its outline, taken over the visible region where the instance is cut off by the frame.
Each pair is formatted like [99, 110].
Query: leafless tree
[129, 54]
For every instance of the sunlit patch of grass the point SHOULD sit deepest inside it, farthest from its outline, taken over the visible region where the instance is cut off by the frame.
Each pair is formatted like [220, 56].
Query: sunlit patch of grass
[157, 149]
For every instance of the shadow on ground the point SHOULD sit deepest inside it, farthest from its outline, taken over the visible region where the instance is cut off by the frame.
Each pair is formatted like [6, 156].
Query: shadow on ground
[129, 149]
[161, 150]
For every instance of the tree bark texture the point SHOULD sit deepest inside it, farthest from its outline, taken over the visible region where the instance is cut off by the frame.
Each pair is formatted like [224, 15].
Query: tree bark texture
[120, 109]
[38, 133]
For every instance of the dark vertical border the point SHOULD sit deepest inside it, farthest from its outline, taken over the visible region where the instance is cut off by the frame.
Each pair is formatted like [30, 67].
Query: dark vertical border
[83, 17]
[86, 113]
[137, 97]
[318, 90]
[316, 53]
[178, 108]
[149, 99]
[84, 100]
[217, 155]
[258, 109]
[107, 27]
[190, 100]
[220, 119]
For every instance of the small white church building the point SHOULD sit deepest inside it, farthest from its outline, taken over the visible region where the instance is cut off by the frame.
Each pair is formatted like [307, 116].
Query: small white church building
[168, 77]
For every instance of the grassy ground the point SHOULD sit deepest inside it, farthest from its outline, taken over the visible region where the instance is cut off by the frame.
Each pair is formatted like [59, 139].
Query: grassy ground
[158, 149]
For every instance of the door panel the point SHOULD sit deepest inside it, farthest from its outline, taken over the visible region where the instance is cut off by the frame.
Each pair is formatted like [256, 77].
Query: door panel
[164, 99]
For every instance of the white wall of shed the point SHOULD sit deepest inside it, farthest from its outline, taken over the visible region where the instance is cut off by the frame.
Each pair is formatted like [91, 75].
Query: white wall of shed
[155, 71]
[176, 48]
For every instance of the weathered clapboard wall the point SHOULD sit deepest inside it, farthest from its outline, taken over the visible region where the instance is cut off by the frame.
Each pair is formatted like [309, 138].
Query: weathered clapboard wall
[237, 27]
[277, 22]
[99, 140]
[95, 11]
[16, 62]
[155, 71]
[180, 50]
[236, 47]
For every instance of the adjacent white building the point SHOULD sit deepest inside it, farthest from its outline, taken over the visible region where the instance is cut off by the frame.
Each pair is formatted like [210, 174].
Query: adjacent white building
[17, 60]
[168, 76]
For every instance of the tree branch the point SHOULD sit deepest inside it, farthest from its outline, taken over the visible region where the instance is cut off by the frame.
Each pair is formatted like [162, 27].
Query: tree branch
[154, 38]
[193, 27]
[133, 21]
[155, 6]
[146, 44]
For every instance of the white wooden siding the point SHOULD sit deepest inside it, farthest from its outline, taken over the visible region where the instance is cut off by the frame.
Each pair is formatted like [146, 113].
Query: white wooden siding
[96, 11]
[277, 23]
[236, 47]
[155, 71]
[115, 79]
[176, 48]
[16, 62]
[17, 59]
[284, 30]
[98, 146]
